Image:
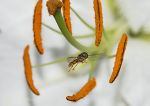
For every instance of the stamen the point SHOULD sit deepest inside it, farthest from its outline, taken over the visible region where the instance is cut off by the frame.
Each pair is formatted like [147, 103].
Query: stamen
[37, 26]
[119, 57]
[84, 91]
[28, 71]
[98, 21]
[53, 5]
[66, 13]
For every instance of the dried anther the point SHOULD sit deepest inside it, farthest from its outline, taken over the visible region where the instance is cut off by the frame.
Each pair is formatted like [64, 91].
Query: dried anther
[119, 57]
[98, 21]
[28, 70]
[37, 26]
[53, 5]
[66, 13]
[84, 91]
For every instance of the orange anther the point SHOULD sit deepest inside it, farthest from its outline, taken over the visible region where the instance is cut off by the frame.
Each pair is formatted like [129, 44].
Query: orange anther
[84, 91]
[28, 71]
[66, 13]
[37, 26]
[119, 57]
[98, 21]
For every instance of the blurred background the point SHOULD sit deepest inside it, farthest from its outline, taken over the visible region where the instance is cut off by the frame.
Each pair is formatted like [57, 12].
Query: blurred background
[132, 86]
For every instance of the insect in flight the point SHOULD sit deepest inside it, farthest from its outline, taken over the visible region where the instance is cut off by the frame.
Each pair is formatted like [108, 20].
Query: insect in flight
[81, 58]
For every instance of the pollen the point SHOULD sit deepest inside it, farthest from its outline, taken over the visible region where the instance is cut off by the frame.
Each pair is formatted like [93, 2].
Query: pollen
[84, 91]
[37, 26]
[98, 21]
[119, 57]
[66, 13]
[28, 71]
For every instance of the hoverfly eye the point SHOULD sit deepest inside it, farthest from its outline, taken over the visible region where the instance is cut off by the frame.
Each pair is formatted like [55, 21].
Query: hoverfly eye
[84, 54]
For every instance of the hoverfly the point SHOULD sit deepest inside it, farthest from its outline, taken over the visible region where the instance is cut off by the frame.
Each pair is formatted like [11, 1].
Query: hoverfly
[81, 58]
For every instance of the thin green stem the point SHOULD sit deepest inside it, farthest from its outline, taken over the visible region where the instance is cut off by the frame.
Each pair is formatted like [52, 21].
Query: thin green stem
[60, 22]
[49, 27]
[76, 36]
[110, 56]
[92, 69]
[105, 34]
[84, 36]
[115, 9]
[49, 63]
[82, 20]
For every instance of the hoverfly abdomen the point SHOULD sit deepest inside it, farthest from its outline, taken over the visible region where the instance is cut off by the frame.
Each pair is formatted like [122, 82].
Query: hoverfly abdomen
[72, 63]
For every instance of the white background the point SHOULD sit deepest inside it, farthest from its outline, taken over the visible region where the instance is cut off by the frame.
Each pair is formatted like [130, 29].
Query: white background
[132, 88]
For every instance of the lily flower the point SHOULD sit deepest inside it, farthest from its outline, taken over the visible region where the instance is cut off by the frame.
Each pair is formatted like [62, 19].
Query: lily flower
[64, 24]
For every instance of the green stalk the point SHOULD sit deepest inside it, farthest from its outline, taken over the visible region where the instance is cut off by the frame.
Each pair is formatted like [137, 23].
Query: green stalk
[49, 27]
[61, 24]
[82, 20]
[105, 34]
[114, 8]
[49, 63]
[92, 69]
[76, 36]
[84, 36]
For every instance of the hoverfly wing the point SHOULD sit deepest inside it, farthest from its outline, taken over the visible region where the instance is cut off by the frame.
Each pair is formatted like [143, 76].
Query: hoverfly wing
[97, 54]
[93, 56]
[70, 59]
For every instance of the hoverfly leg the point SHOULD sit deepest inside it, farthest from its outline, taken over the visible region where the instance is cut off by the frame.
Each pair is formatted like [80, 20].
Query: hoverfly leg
[84, 61]
[74, 66]
[70, 67]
